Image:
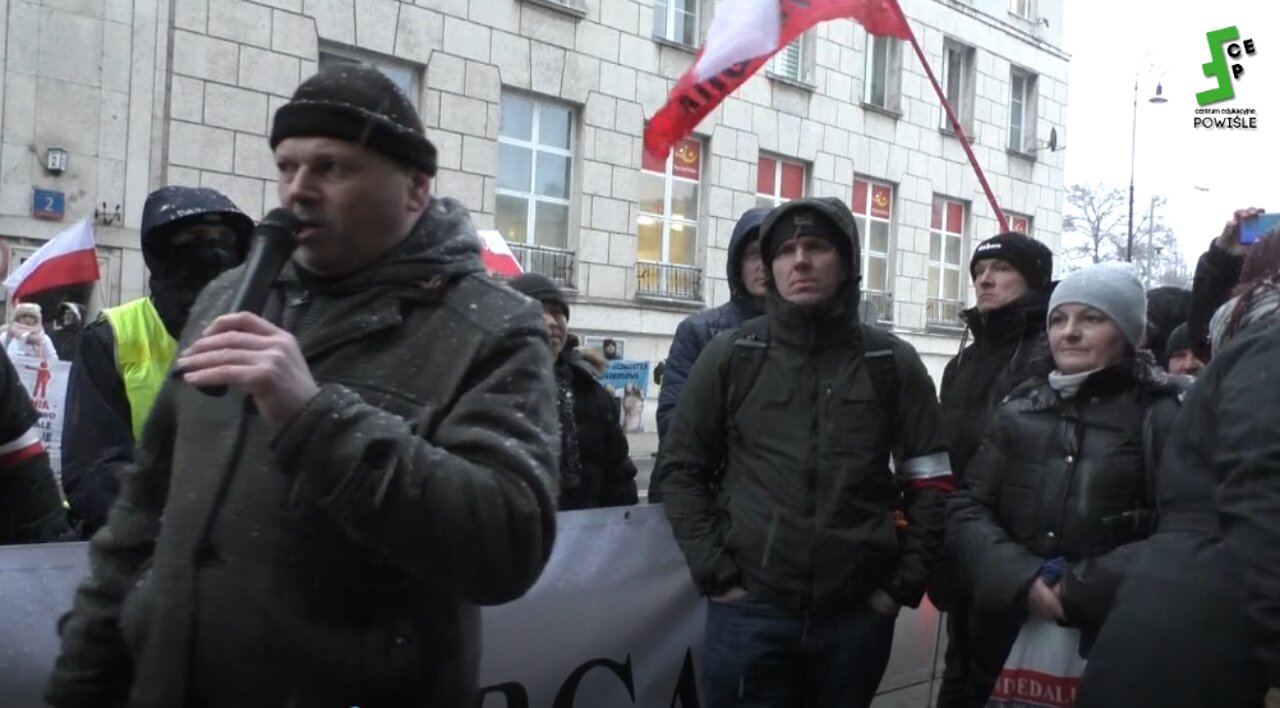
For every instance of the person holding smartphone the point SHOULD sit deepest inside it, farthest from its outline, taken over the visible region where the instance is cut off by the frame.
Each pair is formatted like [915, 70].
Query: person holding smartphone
[1217, 273]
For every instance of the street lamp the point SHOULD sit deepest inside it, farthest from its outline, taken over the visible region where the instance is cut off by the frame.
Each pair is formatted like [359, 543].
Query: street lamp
[1133, 154]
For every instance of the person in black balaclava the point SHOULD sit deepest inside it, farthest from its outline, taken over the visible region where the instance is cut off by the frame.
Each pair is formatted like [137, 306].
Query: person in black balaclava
[190, 236]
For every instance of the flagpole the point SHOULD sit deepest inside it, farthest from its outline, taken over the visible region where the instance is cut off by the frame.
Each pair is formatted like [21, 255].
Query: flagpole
[955, 125]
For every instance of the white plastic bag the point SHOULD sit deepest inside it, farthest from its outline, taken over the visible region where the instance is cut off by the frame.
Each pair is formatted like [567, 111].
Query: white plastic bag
[1043, 669]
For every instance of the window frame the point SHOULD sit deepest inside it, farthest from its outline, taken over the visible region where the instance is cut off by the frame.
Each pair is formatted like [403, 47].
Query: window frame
[350, 55]
[668, 181]
[944, 234]
[1028, 223]
[772, 67]
[863, 215]
[892, 73]
[777, 198]
[671, 12]
[967, 88]
[1027, 98]
[533, 145]
[1028, 9]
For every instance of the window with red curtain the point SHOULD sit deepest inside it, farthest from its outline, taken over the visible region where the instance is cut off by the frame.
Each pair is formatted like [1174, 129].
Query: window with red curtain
[1019, 223]
[778, 181]
[872, 206]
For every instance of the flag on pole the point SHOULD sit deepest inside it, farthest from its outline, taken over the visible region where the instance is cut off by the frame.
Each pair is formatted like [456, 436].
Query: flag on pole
[742, 37]
[498, 258]
[67, 259]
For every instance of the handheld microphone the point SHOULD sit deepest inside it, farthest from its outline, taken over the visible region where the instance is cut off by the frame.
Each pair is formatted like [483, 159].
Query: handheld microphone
[274, 240]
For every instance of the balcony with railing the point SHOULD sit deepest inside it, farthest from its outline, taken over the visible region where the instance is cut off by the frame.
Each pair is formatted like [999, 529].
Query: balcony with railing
[883, 303]
[671, 281]
[943, 314]
[555, 263]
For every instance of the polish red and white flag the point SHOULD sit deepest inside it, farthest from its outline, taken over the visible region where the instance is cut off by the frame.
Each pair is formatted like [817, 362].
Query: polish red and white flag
[67, 259]
[742, 37]
[497, 256]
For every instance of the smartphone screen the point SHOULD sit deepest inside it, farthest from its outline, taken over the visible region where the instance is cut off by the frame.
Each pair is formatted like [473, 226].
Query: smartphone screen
[1253, 229]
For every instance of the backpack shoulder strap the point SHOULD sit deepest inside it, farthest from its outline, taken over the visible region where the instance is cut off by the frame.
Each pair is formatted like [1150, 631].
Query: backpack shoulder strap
[750, 345]
[878, 351]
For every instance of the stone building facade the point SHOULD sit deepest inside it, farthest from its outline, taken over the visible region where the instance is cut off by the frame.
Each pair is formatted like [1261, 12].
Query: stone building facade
[538, 109]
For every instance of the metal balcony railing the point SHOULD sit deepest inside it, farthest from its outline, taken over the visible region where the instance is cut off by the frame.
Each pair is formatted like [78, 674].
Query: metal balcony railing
[668, 280]
[883, 303]
[555, 263]
[940, 312]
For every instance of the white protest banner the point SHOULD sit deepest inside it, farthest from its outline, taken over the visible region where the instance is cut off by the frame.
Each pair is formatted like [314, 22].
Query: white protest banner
[613, 622]
[46, 383]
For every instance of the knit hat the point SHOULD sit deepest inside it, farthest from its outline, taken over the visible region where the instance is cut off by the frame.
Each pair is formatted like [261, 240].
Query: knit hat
[540, 288]
[1028, 256]
[1111, 288]
[805, 220]
[1179, 341]
[359, 104]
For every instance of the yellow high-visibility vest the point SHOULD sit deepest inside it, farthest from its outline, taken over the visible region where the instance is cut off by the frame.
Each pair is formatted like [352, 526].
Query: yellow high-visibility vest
[144, 351]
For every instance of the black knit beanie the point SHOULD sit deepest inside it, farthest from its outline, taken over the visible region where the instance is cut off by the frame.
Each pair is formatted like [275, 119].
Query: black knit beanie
[804, 220]
[1028, 256]
[359, 104]
[540, 288]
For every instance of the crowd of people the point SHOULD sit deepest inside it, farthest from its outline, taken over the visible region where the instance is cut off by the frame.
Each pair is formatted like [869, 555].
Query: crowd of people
[401, 429]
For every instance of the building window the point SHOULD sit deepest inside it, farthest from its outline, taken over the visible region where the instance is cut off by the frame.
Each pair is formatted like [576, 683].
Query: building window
[1019, 223]
[788, 63]
[873, 211]
[676, 21]
[1022, 111]
[535, 162]
[883, 74]
[667, 227]
[958, 78]
[402, 75]
[778, 181]
[946, 263]
[1021, 8]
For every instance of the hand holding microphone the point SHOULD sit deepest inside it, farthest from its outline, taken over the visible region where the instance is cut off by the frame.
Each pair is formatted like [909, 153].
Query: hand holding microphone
[243, 349]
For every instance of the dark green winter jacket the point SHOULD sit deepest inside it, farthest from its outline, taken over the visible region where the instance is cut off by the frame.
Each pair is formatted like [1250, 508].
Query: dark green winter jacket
[793, 497]
[337, 561]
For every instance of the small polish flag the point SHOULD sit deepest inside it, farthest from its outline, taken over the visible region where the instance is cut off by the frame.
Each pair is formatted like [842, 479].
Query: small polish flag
[67, 259]
[498, 258]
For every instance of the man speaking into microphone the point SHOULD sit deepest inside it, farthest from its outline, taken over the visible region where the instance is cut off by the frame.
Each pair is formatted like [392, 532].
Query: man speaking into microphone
[382, 461]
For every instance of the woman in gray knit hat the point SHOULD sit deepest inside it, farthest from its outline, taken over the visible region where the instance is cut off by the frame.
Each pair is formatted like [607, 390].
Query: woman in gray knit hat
[1062, 479]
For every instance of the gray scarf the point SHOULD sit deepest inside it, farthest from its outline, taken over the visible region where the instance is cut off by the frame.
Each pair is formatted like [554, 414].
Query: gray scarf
[1265, 305]
[1068, 385]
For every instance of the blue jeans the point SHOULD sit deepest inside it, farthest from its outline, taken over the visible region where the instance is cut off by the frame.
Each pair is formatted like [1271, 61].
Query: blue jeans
[757, 655]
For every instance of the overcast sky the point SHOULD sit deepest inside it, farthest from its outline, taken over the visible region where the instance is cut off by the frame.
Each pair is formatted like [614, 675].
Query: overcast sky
[1106, 40]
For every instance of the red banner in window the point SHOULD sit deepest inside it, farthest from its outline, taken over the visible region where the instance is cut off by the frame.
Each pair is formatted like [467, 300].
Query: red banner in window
[687, 159]
[792, 181]
[955, 217]
[765, 175]
[859, 197]
[1020, 224]
[881, 201]
[935, 219]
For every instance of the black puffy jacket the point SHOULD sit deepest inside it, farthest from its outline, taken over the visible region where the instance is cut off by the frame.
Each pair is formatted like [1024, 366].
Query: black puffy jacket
[1197, 620]
[1055, 478]
[607, 476]
[1009, 347]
